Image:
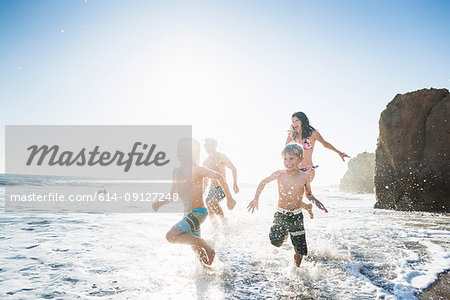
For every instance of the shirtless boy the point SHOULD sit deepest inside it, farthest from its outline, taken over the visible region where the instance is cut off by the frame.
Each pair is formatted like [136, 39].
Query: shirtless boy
[217, 162]
[188, 186]
[288, 218]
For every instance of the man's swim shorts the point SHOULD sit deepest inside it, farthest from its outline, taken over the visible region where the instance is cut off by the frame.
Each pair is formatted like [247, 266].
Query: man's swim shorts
[215, 192]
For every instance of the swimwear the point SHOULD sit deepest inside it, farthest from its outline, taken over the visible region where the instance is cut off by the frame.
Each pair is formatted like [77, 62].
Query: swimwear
[192, 221]
[307, 145]
[215, 192]
[309, 168]
[286, 221]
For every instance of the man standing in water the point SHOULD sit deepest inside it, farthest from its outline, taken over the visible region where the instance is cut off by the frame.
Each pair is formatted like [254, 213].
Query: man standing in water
[217, 162]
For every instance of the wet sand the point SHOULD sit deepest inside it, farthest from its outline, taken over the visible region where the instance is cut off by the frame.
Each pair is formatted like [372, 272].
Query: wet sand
[440, 289]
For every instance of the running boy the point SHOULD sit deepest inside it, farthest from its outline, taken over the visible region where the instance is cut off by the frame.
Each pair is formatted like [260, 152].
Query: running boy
[289, 218]
[188, 185]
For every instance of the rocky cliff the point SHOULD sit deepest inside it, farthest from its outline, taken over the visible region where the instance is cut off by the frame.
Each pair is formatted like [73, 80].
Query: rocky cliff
[359, 175]
[412, 166]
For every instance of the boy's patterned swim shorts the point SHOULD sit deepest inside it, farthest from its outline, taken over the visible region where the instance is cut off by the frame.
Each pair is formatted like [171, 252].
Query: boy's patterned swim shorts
[285, 223]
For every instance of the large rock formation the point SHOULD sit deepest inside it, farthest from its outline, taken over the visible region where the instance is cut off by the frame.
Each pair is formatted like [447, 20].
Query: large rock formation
[412, 166]
[359, 176]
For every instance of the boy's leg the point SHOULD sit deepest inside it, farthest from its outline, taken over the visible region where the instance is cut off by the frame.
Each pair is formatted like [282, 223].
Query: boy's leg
[297, 258]
[201, 254]
[211, 213]
[174, 236]
[214, 196]
[298, 238]
[187, 231]
[211, 203]
[215, 208]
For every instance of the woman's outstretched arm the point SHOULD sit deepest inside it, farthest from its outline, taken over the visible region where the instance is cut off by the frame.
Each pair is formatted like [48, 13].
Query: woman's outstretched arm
[315, 135]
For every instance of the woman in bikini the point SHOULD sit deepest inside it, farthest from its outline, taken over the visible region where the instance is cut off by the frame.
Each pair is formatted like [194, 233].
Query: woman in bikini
[304, 134]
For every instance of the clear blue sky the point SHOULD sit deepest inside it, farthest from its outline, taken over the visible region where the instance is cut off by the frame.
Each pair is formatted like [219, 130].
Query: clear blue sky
[235, 70]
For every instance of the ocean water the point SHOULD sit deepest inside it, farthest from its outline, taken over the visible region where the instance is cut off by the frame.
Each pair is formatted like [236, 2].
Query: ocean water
[355, 252]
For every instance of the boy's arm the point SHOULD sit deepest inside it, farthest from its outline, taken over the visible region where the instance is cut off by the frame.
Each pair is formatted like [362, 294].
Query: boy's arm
[214, 175]
[230, 165]
[157, 204]
[327, 145]
[254, 204]
[311, 197]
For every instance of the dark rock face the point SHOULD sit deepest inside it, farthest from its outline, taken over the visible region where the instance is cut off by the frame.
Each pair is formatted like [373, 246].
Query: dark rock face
[412, 165]
[359, 176]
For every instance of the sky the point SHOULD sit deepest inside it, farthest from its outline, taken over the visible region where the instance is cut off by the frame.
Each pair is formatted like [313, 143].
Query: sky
[234, 70]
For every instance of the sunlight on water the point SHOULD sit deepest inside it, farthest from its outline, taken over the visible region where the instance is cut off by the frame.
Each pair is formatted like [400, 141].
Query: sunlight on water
[354, 252]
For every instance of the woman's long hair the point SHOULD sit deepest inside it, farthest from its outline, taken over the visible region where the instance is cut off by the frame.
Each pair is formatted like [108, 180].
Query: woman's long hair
[306, 128]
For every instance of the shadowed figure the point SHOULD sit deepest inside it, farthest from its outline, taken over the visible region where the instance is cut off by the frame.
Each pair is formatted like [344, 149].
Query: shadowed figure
[217, 162]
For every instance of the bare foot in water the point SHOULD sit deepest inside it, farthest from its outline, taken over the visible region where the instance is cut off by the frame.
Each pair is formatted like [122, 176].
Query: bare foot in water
[201, 254]
[211, 253]
[298, 259]
[207, 269]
